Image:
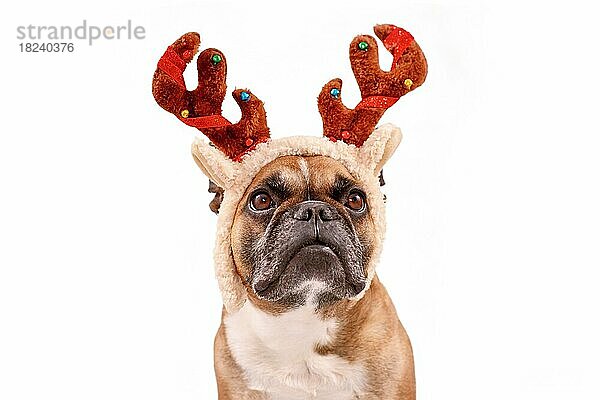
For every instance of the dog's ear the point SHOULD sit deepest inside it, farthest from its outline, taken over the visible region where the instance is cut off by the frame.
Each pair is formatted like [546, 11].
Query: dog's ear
[379, 147]
[215, 203]
[219, 168]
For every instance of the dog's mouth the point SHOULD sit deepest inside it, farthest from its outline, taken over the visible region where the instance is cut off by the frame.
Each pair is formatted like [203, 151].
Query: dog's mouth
[314, 261]
[312, 258]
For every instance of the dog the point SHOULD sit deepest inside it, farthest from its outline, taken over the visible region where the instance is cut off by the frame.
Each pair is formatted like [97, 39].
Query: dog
[300, 229]
[301, 241]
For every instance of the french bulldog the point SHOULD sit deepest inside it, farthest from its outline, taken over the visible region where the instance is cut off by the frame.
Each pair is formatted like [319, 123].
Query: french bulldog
[300, 229]
[301, 242]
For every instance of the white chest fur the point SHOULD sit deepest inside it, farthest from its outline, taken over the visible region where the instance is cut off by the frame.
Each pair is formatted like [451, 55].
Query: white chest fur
[277, 355]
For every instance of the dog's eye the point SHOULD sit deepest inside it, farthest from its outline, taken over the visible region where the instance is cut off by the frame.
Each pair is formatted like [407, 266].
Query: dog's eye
[356, 201]
[261, 201]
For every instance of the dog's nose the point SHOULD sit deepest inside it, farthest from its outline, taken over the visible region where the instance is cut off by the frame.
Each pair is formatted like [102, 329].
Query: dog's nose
[317, 211]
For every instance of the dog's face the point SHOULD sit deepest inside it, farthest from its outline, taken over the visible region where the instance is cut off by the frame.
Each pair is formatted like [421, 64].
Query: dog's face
[303, 226]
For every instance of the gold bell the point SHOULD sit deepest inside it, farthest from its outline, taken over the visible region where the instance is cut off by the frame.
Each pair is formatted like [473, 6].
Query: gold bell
[408, 83]
[185, 113]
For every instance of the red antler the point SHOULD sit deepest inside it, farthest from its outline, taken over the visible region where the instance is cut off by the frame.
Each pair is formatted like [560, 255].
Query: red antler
[379, 89]
[201, 107]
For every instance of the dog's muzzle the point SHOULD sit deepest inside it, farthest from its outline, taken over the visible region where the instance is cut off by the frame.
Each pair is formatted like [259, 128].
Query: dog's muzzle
[311, 241]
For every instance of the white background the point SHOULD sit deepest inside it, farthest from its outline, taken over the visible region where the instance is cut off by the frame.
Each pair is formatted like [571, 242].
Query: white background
[106, 282]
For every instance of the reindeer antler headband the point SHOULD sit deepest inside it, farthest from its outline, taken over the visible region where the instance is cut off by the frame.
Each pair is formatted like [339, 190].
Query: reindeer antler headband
[201, 107]
[240, 150]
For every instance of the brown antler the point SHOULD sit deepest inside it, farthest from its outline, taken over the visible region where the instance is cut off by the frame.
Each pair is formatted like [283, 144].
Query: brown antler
[201, 107]
[379, 89]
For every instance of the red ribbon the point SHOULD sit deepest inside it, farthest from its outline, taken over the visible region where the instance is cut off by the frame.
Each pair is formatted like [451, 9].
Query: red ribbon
[172, 65]
[377, 102]
[208, 121]
[397, 41]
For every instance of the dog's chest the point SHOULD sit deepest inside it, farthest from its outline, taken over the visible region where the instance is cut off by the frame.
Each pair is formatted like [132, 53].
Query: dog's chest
[277, 355]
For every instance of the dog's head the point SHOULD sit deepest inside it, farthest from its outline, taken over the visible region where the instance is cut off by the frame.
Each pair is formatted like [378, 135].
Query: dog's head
[298, 215]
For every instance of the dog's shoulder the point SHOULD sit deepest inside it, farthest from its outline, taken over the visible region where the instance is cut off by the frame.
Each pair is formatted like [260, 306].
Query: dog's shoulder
[277, 354]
